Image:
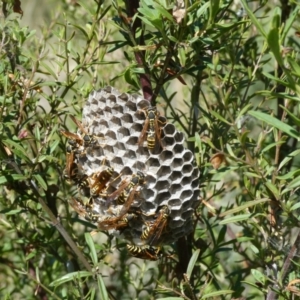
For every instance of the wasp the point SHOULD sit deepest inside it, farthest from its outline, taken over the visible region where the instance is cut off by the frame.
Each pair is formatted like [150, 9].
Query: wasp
[151, 128]
[75, 140]
[125, 187]
[112, 222]
[87, 138]
[154, 230]
[71, 170]
[117, 222]
[144, 252]
[98, 181]
[78, 206]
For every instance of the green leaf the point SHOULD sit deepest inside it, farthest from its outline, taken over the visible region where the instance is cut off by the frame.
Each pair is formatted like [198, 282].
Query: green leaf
[170, 298]
[293, 117]
[53, 146]
[13, 212]
[17, 149]
[273, 41]
[288, 175]
[293, 184]
[192, 263]
[270, 120]
[51, 71]
[288, 158]
[289, 23]
[102, 288]
[3, 180]
[273, 189]
[90, 243]
[164, 12]
[218, 293]
[254, 20]
[235, 219]
[216, 115]
[89, 8]
[41, 181]
[295, 206]
[243, 207]
[258, 276]
[17, 177]
[69, 277]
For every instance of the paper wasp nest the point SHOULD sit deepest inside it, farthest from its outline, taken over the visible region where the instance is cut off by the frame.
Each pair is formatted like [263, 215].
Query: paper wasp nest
[171, 175]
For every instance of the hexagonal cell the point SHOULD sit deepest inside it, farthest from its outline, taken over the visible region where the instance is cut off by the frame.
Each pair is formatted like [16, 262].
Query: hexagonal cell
[149, 206]
[174, 202]
[138, 165]
[107, 113]
[107, 89]
[132, 141]
[186, 194]
[186, 181]
[162, 185]
[117, 110]
[122, 132]
[166, 157]
[177, 221]
[126, 118]
[175, 176]
[177, 163]
[188, 156]
[108, 149]
[163, 171]
[143, 104]
[111, 135]
[153, 162]
[195, 183]
[179, 137]
[187, 169]
[123, 97]
[178, 148]
[163, 196]
[139, 115]
[169, 130]
[148, 195]
[187, 214]
[168, 142]
[115, 121]
[136, 128]
[129, 106]
[102, 123]
[94, 153]
[174, 188]
[111, 100]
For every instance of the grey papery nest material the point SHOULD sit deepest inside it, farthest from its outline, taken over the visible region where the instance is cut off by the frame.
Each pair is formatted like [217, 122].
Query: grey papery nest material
[171, 176]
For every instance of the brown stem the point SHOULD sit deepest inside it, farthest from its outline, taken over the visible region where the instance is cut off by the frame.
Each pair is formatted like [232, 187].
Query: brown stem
[145, 82]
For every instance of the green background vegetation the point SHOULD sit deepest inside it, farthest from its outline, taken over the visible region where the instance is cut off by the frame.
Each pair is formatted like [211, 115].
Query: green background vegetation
[227, 75]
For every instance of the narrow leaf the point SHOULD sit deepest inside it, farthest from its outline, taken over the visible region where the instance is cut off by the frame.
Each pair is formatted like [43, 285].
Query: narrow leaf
[102, 288]
[275, 123]
[235, 219]
[218, 293]
[90, 243]
[192, 263]
[41, 181]
[254, 20]
[69, 277]
[244, 206]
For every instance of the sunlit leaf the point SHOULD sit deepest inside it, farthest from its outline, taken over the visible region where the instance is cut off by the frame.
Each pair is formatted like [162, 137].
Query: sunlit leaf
[69, 277]
[270, 120]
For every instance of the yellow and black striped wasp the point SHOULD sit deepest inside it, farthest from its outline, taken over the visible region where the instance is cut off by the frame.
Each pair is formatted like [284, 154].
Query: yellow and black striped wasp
[151, 129]
[154, 229]
[144, 252]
